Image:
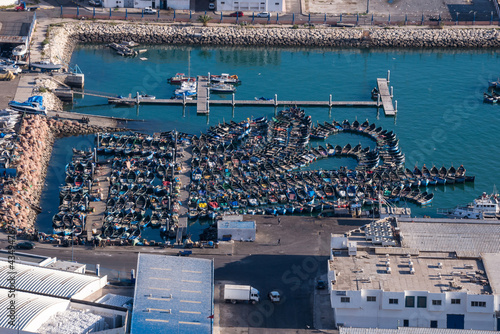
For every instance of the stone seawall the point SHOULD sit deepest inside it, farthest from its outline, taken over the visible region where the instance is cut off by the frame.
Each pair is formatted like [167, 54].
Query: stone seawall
[96, 32]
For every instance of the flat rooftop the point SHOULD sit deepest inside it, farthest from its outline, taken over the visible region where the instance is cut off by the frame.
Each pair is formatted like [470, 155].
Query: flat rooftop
[15, 24]
[173, 295]
[466, 239]
[236, 225]
[433, 272]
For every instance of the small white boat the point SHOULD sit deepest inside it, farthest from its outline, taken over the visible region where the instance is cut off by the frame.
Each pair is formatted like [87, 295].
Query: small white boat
[10, 67]
[225, 78]
[146, 97]
[33, 105]
[19, 50]
[46, 66]
[222, 88]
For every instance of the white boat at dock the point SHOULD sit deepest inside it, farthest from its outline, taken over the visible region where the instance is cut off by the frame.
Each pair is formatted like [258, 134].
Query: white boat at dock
[33, 105]
[225, 78]
[484, 207]
[188, 88]
[222, 88]
[19, 50]
[46, 66]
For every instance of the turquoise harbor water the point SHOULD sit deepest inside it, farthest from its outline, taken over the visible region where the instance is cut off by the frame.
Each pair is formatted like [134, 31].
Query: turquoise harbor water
[441, 119]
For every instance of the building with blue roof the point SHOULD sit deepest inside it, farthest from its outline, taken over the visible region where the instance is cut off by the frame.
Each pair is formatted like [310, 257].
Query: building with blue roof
[173, 295]
[236, 230]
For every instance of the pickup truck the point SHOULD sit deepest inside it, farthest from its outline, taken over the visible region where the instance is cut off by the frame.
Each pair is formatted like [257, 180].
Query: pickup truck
[150, 11]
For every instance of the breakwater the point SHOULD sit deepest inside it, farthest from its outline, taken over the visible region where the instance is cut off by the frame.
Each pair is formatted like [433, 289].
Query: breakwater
[64, 36]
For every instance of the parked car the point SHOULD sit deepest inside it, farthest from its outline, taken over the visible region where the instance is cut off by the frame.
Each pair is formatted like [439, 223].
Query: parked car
[25, 245]
[236, 14]
[211, 6]
[149, 10]
[265, 14]
[95, 3]
[274, 296]
[320, 284]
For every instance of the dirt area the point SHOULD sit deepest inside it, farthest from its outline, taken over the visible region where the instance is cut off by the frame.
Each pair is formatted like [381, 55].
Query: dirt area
[8, 91]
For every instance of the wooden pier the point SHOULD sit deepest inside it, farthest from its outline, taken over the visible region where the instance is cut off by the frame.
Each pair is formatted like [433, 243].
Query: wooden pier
[203, 100]
[386, 96]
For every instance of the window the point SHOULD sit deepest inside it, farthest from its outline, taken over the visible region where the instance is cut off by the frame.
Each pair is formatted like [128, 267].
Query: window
[406, 323]
[345, 299]
[436, 302]
[421, 302]
[393, 301]
[371, 298]
[434, 324]
[410, 301]
[478, 304]
[455, 301]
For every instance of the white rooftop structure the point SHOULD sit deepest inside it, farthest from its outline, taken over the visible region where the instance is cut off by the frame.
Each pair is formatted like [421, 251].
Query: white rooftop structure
[30, 310]
[51, 281]
[444, 237]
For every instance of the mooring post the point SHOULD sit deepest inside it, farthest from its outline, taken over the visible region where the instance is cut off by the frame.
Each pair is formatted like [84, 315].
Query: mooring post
[275, 100]
[378, 100]
[388, 76]
[137, 98]
[232, 102]
[330, 101]
[184, 98]
[98, 139]
[392, 95]
[208, 106]
[208, 77]
[396, 106]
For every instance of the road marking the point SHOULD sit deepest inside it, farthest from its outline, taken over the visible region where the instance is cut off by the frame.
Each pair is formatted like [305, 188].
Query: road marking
[156, 298]
[158, 309]
[161, 278]
[156, 320]
[191, 291]
[190, 301]
[168, 269]
[189, 281]
[191, 312]
[192, 271]
[164, 289]
[189, 323]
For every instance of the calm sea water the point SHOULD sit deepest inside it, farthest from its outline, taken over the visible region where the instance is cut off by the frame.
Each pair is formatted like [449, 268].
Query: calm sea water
[442, 119]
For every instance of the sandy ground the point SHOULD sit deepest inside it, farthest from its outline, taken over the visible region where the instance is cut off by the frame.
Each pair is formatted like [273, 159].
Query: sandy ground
[7, 91]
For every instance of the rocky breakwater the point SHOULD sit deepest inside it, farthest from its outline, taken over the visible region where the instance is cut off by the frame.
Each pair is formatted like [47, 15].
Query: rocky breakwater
[33, 149]
[431, 38]
[61, 43]
[285, 36]
[236, 35]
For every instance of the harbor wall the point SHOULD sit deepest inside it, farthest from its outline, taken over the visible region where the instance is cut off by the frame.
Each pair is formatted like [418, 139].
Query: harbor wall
[64, 37]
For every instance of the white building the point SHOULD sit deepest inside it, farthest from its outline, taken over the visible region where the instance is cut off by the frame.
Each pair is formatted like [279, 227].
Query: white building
[390, 275]
[135, 3]
[275, 6]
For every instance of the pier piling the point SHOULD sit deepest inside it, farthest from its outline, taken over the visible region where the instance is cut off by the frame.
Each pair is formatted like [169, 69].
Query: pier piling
[388, 77]
[330, 101]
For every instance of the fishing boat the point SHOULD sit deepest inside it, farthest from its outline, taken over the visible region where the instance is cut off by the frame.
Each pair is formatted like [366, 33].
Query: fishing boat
[222, 88]
[179, 78]
[46, 66]
[225, 78]
[9, 66]
[146, 97]
[486, 206]
[33, 105]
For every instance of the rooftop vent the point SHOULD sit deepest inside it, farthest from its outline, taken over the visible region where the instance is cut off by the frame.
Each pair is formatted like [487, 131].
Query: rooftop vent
[440, 265]
[388, 270]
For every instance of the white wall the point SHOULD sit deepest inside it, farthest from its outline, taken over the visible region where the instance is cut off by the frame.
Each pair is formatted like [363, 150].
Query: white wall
[145, 3]
[275, 6]
[8, 2]
[178, 4]
[91, 288]
[361, 313]
[113, 3]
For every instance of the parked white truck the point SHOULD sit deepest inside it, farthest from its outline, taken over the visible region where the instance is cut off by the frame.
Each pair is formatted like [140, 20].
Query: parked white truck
[236, 293]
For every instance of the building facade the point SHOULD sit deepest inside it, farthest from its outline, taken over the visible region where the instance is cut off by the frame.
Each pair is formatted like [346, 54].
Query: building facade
[275, 6]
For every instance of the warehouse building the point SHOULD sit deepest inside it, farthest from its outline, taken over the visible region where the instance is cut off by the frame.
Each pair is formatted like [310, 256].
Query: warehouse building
[173, 295]
[392, 274]
[236, 230]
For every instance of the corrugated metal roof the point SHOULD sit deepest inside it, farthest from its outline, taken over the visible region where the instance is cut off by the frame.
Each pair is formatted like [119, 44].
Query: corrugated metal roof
[173, 295]
[44, 280]
[448, 237]
[222, 224]
[410, 330]
[27, 305]
[115, 300]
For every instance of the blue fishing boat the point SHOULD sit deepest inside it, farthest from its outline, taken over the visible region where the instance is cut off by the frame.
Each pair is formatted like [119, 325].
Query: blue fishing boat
[33, 105]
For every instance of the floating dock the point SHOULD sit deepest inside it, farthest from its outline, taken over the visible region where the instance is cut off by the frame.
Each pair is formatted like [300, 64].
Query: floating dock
[386, 96]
